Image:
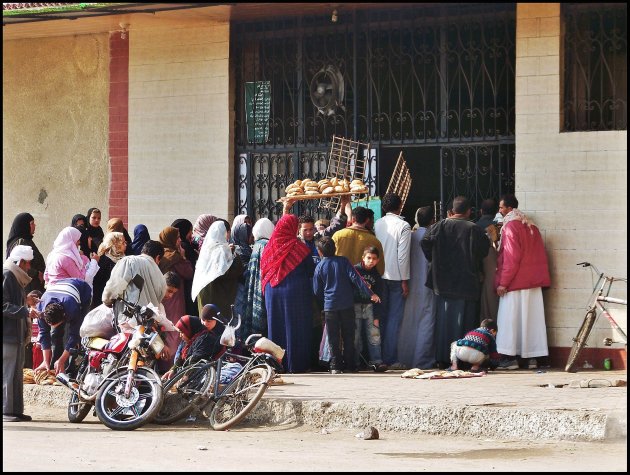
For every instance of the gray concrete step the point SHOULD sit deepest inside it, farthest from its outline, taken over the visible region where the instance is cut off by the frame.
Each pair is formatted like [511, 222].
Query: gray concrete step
[514, 405]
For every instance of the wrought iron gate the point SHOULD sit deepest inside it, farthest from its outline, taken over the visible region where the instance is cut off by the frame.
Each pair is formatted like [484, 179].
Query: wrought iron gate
[439, 76]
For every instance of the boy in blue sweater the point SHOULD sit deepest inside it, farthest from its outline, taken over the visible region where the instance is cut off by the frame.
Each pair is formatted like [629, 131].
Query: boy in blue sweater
[333, 284]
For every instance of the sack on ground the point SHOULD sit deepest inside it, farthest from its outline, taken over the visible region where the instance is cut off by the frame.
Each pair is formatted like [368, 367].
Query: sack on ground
[98, 322]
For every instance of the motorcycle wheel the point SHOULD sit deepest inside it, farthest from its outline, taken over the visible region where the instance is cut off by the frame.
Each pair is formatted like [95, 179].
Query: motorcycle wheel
[77, 410]
[120, 413]
[186, 390]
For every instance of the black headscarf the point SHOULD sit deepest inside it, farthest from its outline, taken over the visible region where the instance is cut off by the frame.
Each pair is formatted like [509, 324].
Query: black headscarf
[20, 229]
[84, 241]
[96, 233]
[185, 227]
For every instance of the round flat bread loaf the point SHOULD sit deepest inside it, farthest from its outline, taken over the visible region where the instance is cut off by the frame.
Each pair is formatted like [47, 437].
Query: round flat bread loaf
[328, 190]
[311, 192]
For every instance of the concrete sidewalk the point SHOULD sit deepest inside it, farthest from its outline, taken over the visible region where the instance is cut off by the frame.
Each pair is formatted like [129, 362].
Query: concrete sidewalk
[514, 405]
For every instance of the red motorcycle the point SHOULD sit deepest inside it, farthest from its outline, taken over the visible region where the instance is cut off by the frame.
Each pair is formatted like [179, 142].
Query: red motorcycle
[115, 375]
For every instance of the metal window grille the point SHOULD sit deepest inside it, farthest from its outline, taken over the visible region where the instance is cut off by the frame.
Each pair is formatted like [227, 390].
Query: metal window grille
[595, 67]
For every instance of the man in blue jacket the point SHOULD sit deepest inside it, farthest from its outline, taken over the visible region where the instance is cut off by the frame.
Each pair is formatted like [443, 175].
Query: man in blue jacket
[66, 301]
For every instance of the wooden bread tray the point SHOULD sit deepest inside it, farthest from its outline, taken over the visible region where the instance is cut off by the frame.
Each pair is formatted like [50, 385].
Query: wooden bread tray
[318, 196]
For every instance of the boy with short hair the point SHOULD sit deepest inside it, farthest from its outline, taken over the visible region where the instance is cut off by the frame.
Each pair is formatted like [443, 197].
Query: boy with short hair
[366, 321]
[333, 284]
[476, 348]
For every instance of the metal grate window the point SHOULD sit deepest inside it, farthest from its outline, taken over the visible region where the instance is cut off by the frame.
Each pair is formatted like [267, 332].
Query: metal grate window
[595, 72]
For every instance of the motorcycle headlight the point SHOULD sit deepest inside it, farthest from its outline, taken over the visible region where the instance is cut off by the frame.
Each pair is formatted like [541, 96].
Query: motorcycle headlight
[156, 344]
[136, 340]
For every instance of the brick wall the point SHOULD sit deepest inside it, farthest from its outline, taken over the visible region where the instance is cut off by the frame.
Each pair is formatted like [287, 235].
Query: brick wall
[574, 185]
[118, 126]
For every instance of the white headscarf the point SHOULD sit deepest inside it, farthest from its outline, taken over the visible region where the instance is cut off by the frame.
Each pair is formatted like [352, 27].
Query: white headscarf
[262, 229]
[21, 253]
[66, 245]
[112, 246]
[215, 258]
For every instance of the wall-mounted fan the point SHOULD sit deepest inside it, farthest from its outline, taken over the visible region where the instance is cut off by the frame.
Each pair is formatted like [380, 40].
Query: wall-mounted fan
[327, 90]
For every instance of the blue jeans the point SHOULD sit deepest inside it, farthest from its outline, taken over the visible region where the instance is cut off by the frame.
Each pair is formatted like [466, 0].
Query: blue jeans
[393, 305]
[364, 318]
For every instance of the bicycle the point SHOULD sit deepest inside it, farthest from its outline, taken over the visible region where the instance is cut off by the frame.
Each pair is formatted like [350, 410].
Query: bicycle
[595, 308]
[199, 385]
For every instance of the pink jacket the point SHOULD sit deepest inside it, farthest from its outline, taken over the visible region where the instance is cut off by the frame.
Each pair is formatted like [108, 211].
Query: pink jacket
[63, 267]
[522, 261]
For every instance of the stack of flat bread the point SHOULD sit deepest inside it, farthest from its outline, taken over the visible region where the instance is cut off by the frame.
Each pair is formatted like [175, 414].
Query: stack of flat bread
[327, 186]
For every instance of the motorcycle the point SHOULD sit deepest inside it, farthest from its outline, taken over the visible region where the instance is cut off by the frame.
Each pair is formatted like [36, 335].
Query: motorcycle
[115, 376]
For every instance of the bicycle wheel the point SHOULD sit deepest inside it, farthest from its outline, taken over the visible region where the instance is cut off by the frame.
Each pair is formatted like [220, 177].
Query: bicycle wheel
[188, 388]
[241, 396]
[580, 340]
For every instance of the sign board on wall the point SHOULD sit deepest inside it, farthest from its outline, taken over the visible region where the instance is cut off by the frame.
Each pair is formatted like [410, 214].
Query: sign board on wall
[257, 109]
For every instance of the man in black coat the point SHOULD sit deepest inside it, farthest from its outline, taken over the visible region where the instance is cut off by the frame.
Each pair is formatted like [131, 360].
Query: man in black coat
[17, 311]
[455, 248]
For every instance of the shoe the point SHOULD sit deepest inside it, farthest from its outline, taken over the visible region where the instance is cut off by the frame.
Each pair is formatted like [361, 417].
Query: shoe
[336, 371]
[532, 363]
[478, 370]
[10, 418]
[397, 366]
[543, 362]
[24, 417]
[508, 364]
[381, 368]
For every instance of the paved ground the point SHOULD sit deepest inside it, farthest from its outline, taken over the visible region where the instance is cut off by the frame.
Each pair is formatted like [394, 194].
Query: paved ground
[511, 405]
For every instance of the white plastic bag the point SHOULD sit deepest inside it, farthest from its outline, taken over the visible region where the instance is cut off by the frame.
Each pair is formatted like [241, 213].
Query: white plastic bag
[98, 322]
[228, 337]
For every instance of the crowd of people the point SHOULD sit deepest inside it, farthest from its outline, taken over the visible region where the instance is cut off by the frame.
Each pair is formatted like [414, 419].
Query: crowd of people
[341, 295]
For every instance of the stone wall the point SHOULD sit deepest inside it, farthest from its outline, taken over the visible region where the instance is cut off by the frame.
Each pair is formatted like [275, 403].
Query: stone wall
[54, 127]
[180, 146]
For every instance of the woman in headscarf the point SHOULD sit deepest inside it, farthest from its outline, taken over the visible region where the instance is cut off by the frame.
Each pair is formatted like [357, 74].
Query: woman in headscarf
[255, 313]
[240, 219]
[21, 233]
[111, 250]
[200, 229]
[140, 238]
[175, 306]
[80, 222]
[217, 272]
[199, 339]
[116, 225]
[285, 269]
[65, 261]
[192, 254]
[93, 230]
[243, 240]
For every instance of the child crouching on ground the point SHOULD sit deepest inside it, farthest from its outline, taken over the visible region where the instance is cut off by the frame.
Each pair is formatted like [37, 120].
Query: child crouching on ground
[333, 284]
[365, 311]
[476, 348]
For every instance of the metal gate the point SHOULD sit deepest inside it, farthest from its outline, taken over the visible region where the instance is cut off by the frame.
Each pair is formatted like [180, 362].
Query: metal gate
[439, 76]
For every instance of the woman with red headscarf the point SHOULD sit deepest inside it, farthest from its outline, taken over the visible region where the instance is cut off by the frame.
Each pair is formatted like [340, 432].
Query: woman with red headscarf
[286, 280]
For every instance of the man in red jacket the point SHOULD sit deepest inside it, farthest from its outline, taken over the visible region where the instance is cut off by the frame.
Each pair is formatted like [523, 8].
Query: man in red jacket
[522, 271]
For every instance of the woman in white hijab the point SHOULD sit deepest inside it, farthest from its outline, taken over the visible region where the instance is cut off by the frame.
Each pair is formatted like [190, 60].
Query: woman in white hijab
[255, 314]
[216, 272]
[65, 261]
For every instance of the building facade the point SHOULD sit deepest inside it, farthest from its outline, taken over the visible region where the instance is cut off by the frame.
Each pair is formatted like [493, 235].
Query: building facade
[154, 112]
